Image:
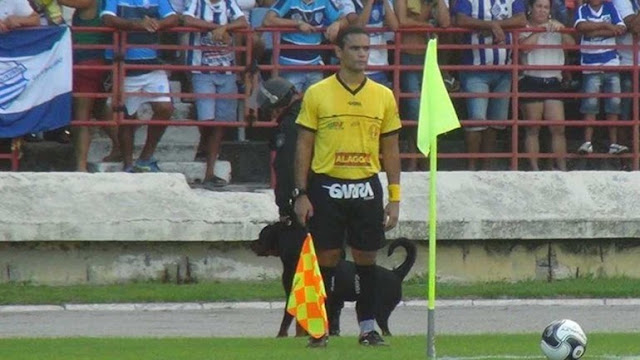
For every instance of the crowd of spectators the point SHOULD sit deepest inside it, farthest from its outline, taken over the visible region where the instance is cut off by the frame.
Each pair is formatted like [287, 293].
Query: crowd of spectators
[489, 23]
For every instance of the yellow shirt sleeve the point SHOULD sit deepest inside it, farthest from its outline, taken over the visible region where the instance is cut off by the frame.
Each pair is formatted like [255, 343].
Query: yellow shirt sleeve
[308, 116]
[391, 121]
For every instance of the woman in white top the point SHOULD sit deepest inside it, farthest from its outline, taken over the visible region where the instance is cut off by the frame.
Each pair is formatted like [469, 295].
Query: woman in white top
[546, 108]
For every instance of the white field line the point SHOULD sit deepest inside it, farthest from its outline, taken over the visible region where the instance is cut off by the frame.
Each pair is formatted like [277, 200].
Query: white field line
[525, 357]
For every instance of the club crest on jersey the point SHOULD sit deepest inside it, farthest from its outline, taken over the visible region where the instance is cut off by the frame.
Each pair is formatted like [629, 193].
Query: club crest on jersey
[501, 9]
[375, 15]
[350, 191]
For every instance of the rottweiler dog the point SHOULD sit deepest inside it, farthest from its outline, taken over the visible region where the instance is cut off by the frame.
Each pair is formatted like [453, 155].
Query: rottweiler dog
[285, 241]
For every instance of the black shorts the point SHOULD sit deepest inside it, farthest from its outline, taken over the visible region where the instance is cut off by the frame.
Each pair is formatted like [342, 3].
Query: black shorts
[351, 207]
[539, 85]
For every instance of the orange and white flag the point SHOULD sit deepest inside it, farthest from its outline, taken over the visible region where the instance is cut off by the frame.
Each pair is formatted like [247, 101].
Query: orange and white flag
[307, 299]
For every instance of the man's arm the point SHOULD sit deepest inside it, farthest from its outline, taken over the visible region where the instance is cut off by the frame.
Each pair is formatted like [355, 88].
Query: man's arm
[145, 24]
[391, 161]
[304, 152]
[390, 18]
[595, 29]
[442, 15]
[362, 19]
[633, 23]
[272, 19]
[16, 22]
[237, 24]
[126, 24]
[465, 21]
[389, 144]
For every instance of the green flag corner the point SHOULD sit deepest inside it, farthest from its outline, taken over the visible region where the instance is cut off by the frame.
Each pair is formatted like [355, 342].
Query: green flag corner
[437, 114]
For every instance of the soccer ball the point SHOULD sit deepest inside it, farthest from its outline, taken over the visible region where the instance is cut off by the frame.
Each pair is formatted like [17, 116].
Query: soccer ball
[563, 340]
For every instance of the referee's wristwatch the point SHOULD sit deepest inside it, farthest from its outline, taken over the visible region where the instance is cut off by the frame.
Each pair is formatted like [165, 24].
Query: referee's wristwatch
[297, 192]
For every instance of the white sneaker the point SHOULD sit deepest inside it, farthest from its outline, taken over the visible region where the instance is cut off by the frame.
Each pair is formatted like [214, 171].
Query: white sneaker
[586, 148]
[617, 149]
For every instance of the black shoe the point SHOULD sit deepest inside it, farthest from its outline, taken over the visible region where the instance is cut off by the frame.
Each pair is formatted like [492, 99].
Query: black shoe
[318, 342]
[372, 338]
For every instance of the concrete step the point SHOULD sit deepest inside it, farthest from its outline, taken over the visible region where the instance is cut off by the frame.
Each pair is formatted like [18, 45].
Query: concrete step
[164, 152]
[193, 171]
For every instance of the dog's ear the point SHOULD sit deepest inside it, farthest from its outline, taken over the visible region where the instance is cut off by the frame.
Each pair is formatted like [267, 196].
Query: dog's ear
[267, 243]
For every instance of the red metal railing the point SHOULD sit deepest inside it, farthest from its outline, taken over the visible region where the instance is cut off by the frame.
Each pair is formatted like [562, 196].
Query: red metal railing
[514, 155]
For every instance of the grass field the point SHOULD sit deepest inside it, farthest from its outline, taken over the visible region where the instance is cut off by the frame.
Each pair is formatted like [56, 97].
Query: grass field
[469, 347]
[269, 290]
[480, 347]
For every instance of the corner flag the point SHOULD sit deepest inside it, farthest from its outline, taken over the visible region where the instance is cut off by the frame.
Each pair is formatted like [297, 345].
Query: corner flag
[306, 302]
[437, 114]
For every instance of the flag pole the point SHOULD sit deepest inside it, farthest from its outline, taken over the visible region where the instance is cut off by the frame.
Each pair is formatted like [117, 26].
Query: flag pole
[437, 116]
[433, 168]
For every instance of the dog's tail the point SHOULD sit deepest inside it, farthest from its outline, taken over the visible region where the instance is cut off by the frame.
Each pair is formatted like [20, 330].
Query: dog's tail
[403, 269]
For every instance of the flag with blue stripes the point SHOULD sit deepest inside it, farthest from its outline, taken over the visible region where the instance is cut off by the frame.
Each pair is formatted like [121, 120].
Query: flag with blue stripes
[35, 80]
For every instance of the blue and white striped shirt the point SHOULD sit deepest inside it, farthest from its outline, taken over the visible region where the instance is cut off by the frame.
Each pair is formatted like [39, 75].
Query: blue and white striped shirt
[221, 12]
[136, 10]
[317, 13]
[488, 10]
[598, 56]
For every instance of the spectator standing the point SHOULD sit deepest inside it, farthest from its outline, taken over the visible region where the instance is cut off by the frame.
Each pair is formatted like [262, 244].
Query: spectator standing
[422, 15]
[376, 14]
[345, 123]
[142, 19]
[87, 14]
[306, 16]
[15, 14]
[629, 11]
[218, 18]
[599, 23]
[546, 108]
[489, 20]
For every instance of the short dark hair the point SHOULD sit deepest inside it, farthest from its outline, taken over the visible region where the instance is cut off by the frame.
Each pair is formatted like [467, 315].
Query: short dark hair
[351, 30]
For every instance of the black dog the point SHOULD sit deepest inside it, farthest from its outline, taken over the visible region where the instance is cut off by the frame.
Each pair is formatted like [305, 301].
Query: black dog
[285, 241]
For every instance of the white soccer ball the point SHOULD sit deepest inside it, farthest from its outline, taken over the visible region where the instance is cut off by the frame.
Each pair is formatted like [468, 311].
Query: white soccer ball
[563, 340]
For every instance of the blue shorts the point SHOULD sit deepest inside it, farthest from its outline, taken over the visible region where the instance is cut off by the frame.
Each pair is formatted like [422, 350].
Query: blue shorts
[596, 83]
[218, 109]
[483, 108]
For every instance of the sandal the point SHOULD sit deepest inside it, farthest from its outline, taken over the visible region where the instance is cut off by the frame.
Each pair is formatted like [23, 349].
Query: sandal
[214, 183]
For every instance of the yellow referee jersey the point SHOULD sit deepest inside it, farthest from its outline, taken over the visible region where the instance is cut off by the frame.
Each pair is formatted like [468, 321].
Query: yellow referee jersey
[348, 125]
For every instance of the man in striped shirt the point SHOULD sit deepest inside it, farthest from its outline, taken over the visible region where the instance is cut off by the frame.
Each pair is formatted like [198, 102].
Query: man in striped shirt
[489, 20]
[599, 23]
[307, 16]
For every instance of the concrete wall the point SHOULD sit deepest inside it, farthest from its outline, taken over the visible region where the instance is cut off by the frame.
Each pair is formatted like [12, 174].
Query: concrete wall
[104, 228]
[489, 260]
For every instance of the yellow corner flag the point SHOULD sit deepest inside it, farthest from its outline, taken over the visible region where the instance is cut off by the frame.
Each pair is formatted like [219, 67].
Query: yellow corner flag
[437, 114]
[306, 301]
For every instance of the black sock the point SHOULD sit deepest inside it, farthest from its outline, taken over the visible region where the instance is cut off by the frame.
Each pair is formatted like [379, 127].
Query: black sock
[365, 292]
[329, 279]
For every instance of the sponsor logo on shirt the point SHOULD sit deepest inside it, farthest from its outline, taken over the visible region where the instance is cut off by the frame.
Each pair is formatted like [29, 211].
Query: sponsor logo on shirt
[335, 125]
[352, 159]
[350, 191]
